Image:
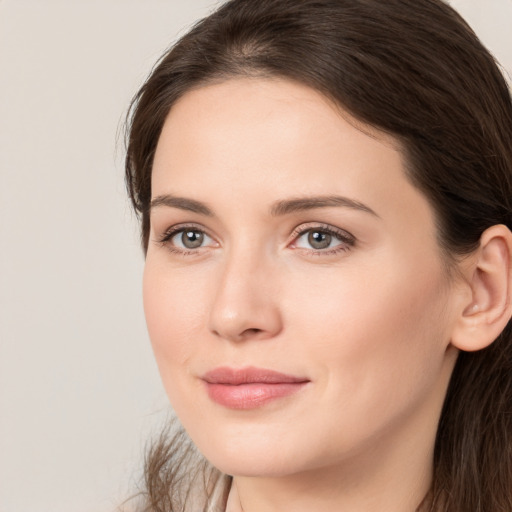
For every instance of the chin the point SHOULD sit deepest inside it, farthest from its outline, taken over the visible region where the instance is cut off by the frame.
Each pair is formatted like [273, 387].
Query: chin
[250, 466]
[264, 455]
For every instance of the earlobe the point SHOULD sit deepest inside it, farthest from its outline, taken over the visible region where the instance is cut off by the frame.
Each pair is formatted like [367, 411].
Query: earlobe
[484, 317]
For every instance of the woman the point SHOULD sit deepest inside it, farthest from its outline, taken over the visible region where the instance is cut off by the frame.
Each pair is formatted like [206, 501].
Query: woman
[325, 191]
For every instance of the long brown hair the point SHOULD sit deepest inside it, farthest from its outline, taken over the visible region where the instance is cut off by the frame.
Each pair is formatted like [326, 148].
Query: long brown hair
[413, 69]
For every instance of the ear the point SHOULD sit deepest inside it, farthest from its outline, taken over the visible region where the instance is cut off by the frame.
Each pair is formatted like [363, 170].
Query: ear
[488, 309]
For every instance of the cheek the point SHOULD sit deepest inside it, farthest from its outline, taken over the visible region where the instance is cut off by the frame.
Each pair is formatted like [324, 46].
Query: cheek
[174, 314]
[374, 334]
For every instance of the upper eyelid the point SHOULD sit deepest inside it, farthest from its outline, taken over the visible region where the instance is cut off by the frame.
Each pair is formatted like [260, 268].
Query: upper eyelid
[298, 231]
[173, 230]
[310, 226]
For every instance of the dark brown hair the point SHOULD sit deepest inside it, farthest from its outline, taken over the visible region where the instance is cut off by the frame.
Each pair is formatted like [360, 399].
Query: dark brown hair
[415, 70]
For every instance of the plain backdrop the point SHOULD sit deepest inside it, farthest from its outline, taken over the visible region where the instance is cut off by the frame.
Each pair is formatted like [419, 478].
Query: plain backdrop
[79, 391]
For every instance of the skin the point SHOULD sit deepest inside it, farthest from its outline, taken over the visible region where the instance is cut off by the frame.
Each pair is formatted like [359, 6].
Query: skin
[368, 320]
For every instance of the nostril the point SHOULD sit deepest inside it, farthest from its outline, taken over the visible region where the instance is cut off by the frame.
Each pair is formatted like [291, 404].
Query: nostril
[247, 333]
[251, 332]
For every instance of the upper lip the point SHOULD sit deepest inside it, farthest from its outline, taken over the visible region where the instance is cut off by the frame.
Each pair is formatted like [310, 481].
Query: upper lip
[249, 375]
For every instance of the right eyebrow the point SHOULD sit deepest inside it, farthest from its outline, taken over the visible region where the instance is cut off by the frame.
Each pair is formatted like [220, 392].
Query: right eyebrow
[182, 203]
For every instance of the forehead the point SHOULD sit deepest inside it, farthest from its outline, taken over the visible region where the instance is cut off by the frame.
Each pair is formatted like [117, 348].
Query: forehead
[249, 128]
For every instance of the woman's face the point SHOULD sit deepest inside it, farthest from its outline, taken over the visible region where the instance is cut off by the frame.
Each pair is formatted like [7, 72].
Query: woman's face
[296, 299]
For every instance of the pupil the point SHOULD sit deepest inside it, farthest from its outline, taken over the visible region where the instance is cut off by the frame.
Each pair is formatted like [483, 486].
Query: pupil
[319, 240]
[192, 239]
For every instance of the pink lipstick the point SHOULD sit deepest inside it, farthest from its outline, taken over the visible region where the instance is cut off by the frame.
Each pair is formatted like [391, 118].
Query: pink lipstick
[249, 388]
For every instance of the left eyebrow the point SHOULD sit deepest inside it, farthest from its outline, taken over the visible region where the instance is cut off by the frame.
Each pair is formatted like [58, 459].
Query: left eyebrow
[287, 206]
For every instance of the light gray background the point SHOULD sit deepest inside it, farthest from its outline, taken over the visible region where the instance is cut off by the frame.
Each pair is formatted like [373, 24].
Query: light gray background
[79, 391]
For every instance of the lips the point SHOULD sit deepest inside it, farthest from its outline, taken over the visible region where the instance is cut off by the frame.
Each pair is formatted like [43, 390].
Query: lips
[249, 388]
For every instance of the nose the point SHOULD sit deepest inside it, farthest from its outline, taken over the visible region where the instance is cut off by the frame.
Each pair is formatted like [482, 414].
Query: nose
[246, 301]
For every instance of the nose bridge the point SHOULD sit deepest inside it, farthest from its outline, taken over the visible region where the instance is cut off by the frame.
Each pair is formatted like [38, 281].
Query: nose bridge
[245, 304]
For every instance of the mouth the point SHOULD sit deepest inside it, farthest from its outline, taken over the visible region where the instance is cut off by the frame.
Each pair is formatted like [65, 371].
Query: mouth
[250, 388]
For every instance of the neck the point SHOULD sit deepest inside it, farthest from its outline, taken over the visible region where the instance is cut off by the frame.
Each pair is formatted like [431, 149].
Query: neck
[332, 490]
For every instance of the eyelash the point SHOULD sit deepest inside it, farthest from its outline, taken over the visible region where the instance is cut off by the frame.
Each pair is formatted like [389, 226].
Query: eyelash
[175, 230]
[347, 241]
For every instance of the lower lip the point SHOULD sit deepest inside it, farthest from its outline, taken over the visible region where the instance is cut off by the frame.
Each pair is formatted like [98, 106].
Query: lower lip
[251, 395]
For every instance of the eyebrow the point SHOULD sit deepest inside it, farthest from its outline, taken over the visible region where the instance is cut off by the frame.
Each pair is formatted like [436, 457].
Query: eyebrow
[182, 203]
[308, 203]
[279, 208]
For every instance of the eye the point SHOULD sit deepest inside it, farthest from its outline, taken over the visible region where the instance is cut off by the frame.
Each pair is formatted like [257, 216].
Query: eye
[189, 239]
[325, 239]
[318, 239]
[185, 239]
